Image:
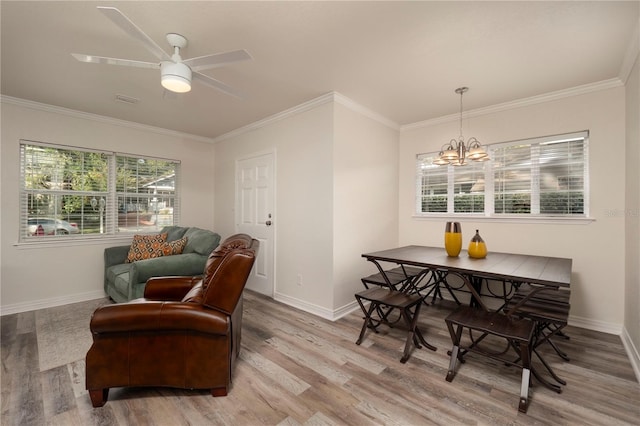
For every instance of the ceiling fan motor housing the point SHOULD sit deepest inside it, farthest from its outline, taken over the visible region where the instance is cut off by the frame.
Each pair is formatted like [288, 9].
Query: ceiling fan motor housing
[175, 76]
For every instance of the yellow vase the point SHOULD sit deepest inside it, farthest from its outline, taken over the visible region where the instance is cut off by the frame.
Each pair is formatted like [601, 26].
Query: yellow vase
[477, 247]
[453, 238]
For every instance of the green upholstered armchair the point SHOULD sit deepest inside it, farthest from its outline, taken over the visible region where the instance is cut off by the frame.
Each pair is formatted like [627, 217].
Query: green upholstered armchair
[126, 281]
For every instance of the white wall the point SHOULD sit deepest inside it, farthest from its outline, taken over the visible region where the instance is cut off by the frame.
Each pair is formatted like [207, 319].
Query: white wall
[336, 186]
[597, 248]
[302, 220]
[32, 277]
[365, 188]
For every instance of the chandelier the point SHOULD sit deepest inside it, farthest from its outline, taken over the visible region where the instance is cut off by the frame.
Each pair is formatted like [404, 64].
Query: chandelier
[456, 152]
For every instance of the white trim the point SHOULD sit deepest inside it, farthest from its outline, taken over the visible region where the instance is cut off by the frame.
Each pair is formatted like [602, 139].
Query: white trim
[345, 310]
[69, 241]
[304, 306]
[307, 106]
[632, 352]
[631, 56]
[51, 303]
[547, 97]
[356, 107]
[99, 118]
[328, 314]
[595, 325]
[506, 219]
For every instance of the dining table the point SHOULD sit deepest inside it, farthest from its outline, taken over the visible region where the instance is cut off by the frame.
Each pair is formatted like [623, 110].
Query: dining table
[541, 271]
[546, 270]
[538, 272]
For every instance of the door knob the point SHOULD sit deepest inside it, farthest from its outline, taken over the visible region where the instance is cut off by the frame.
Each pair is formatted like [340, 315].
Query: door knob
[268, 223]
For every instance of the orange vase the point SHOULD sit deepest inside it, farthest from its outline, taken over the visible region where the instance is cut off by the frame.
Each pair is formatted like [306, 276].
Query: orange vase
[453, 238]
[477, 247]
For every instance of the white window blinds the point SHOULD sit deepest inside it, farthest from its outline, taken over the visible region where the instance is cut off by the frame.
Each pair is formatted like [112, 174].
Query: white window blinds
[540, 177]
[69, 192]
[546, 176]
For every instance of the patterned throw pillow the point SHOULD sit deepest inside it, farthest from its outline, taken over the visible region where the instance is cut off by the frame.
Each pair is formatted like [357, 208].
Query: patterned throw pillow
[173, 247]
[145, 247]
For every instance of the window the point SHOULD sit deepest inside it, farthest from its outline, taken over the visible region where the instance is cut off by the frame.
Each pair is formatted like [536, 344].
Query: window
[542, 177]
[69, 192]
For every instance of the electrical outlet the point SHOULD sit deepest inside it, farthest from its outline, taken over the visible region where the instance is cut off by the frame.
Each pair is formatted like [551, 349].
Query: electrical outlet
[299, 280]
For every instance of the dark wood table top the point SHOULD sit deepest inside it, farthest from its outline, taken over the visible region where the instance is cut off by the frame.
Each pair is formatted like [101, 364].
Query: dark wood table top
[545, 270]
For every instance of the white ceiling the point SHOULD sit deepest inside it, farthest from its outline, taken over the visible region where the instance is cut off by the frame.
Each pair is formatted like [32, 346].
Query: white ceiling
[402, 60]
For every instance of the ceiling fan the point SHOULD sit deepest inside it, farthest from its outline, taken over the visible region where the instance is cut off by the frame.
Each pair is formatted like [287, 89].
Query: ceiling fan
[175, 73]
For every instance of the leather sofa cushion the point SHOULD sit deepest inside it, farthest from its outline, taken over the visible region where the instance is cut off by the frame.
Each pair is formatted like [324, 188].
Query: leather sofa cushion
[145, 316]
[194, 295]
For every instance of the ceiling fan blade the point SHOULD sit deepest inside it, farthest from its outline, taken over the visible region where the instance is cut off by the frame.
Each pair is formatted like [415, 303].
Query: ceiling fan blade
[132, 29]
[218, 85]
[114, 61]
[217, 60]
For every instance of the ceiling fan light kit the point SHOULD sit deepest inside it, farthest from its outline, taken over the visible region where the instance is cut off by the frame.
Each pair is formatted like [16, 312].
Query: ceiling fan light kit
[175, 76]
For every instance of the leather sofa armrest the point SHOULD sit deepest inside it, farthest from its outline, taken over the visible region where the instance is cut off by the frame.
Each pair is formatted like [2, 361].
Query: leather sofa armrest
[169, 288]
[176, 265]
[115, 255]
[155, 316]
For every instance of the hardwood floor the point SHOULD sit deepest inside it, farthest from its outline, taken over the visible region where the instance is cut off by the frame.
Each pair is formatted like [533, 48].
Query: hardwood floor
[298, 369]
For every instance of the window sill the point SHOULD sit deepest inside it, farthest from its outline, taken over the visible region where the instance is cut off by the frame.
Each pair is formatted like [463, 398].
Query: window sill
[507, 219]
[71, 242]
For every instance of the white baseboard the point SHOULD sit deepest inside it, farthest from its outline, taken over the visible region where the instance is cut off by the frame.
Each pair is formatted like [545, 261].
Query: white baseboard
[589, 324]
[50, 303]
[632, 352]
[329, 314]
[304, 306]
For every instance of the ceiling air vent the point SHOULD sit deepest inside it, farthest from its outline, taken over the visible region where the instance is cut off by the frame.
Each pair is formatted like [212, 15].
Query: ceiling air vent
[126, 99]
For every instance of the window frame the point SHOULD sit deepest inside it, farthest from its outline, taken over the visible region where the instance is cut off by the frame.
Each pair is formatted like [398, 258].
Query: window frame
[489, 180]
[109, 227]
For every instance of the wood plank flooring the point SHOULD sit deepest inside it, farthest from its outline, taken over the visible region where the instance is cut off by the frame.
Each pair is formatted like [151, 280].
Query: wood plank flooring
[298, 369]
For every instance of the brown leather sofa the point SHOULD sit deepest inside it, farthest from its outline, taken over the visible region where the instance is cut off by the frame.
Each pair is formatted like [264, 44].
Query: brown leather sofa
[185, 332]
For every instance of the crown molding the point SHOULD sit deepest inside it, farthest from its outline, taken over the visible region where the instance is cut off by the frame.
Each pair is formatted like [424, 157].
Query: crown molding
[547, 97]
[633, 52]
[99, 118]
[306, 106]
[356, 107]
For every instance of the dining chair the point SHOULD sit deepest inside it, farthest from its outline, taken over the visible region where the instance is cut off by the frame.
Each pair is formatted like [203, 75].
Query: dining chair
[515, 332]
[382, 301]
[549, 309]
[396, 278]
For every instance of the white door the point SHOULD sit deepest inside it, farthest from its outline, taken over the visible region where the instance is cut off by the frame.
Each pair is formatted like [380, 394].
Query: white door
[255, 215]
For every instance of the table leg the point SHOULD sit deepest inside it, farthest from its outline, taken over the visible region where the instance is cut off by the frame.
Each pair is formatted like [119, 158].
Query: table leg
[476, 283]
